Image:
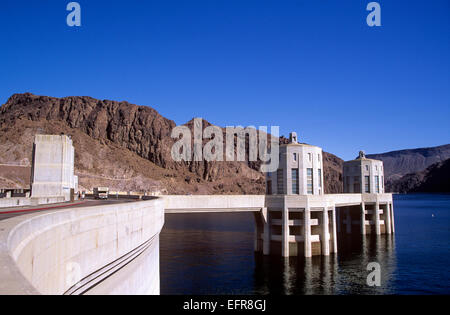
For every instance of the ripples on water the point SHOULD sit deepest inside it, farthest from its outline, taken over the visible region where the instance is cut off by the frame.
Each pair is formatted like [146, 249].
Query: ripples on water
[213, 254]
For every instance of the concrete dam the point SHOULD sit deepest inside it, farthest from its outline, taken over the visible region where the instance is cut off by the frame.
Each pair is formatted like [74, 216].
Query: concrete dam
[114, 249]
[106, 247]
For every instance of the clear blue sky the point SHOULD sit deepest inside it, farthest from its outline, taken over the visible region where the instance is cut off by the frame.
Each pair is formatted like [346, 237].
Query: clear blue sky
[310, 66]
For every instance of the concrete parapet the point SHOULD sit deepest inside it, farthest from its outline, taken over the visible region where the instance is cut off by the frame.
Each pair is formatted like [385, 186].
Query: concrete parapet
[107, 249]
[23, 201]
[213, 203]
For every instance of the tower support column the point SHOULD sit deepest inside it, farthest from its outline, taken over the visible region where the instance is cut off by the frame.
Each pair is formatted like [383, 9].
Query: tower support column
[376, 219]
[387, 219]
[307, 230]
[266, 233]
[325, 237]
[363, 218]
[285, 232]
[392, 217]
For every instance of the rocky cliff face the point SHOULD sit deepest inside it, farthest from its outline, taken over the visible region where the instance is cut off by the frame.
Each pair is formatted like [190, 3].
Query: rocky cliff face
[333, 167]
[436, 178]
[139, 129]
[118, 144]
[127, 147]
[400, 163]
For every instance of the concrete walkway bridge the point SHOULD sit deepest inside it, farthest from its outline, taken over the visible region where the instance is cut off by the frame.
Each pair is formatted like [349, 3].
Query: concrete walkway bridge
[298, 225]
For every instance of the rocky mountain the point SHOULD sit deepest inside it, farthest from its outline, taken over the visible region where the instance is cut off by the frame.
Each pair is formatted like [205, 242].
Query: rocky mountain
[123, 146]
[400, 163]
[435, 178]
[333, 167]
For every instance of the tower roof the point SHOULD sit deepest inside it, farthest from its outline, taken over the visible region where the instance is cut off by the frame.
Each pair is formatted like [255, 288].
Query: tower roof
[362, 157]
[293, 141]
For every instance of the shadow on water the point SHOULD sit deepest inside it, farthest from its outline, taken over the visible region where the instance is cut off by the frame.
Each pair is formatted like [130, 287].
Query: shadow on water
[344, 273]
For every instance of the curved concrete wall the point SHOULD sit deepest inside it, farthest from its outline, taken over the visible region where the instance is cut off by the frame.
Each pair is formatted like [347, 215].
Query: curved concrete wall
[24, 201]
[107, 249]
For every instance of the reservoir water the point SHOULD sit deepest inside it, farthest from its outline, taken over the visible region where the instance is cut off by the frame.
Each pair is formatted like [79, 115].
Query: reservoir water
[213, 254]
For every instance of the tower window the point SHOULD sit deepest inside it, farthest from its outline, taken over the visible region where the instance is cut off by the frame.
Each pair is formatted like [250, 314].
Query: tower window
[377, 184]
[367, 184]
[309, 181]
[319, 173]
[280, 187]
[295, 186]
[356, 185]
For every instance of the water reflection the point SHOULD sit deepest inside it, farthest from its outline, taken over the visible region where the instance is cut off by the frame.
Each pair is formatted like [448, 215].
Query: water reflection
[336, 274]
[213, 254]
[354, 256]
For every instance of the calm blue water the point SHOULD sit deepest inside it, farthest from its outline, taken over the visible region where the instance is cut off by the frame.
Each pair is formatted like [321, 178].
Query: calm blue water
[213, 254]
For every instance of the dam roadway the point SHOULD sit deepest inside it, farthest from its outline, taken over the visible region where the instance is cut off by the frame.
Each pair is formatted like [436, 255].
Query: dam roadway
[7, 213]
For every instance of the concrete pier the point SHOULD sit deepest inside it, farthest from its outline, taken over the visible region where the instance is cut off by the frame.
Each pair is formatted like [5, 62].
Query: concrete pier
[307, 230]
[376, 217]
[363, 219]
[325, 236]
[285, 233]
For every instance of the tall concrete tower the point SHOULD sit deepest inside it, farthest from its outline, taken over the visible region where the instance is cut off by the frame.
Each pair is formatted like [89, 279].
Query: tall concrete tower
[300, 171]
[53, 167]
[363, 175]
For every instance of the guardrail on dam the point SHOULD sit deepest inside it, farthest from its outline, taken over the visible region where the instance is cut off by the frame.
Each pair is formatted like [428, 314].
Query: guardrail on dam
[86, 250]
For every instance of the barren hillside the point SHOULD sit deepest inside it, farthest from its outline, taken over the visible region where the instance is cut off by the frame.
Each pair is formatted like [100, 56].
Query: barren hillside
[123, 146]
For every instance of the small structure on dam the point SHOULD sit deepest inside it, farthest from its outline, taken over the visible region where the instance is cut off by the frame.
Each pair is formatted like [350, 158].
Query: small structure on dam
[298, 219]
[52, 174]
